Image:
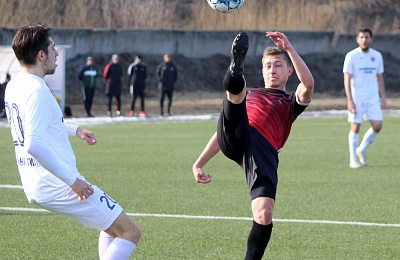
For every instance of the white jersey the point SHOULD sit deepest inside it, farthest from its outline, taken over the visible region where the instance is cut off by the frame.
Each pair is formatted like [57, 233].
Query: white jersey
[45, 159]
[364, 67]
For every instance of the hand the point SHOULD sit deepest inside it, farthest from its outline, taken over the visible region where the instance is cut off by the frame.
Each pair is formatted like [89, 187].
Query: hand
[351, 107]
[82, 189]
[200, 176]
[86, 135]
[279, 39]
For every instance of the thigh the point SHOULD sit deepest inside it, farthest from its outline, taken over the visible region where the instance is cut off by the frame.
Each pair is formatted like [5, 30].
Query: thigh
[169, 95]
[232, 137]
[374, 112]
[262, 187]
[357, 116]
[99, 211]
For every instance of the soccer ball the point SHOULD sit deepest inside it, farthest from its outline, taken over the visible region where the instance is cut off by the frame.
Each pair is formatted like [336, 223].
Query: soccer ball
[225, 6]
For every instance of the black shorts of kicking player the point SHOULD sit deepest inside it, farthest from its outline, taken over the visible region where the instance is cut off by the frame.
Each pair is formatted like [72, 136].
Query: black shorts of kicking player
[246, 146]
[263, 187]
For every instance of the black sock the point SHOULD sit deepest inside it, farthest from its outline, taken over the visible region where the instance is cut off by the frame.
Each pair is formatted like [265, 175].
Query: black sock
[258, 240]
[232, 84]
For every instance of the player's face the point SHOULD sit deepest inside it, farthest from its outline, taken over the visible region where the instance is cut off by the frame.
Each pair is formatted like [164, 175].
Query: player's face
[276, 71]
[364, 41]
[51, 58]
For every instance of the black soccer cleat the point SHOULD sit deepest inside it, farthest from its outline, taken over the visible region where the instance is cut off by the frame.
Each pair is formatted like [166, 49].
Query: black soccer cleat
[240, 46]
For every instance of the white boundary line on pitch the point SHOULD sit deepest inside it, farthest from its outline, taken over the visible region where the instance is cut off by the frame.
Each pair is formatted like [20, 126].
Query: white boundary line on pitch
[213, 217]
[228, 218]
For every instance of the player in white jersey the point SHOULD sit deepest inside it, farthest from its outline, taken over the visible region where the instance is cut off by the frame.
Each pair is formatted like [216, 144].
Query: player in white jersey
[363, 81]
[45, 159]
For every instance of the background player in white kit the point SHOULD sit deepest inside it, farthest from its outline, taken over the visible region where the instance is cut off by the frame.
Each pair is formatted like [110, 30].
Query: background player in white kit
[45, 159]
[363, 81]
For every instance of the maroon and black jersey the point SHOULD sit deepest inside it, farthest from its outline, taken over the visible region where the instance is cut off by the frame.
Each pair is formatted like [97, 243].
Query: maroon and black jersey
[272, 112]
[254, 140]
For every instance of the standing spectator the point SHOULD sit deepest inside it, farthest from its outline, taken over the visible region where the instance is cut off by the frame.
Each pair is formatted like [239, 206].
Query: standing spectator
[137, 72]
[88, 76]
[2, 90]
[113, 77]
[44, 156]
[167, 76]
[363, 81]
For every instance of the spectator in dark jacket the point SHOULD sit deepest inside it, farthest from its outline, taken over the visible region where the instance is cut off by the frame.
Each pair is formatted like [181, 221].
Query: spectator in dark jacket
[113, 77]
[88, 76]
[167, 76]
[137, 72]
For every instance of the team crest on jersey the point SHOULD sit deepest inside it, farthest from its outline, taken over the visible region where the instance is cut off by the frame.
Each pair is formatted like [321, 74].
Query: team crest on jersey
[372, 59]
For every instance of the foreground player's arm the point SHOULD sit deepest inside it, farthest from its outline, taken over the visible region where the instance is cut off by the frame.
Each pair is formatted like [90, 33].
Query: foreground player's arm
[36, 122]
[381, 85]
[306, 87]
[211, 149]
[347, 87]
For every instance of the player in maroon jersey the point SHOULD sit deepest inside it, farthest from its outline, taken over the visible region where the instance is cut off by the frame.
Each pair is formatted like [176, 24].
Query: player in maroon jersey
[254, 125]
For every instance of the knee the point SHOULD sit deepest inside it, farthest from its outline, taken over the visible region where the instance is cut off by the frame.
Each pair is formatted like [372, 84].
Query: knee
[134, 232]
[377, 128]
[263, 215]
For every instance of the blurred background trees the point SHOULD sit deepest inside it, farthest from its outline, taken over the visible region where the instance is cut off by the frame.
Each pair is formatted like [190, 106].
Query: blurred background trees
[382, 16]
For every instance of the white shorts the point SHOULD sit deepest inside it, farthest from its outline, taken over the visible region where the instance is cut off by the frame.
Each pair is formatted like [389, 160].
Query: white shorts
[99, 211]
[367, 110]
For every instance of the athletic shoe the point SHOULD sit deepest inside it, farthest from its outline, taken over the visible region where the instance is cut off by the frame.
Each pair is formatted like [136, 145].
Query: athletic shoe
[363, 158]
[131, 113]
[118, 113]
[238, 54]
[142, 113]
[354, 164]
[109, 113]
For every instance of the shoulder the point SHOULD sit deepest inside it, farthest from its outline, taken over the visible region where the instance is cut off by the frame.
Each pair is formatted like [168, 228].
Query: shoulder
[352, 53]
[375, 53]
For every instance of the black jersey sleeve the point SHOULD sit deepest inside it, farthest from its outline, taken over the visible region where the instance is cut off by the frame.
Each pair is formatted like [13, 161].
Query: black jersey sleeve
[297, 108]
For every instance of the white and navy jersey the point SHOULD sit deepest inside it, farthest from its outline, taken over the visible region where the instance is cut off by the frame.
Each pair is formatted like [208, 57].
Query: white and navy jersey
[364, 67]
[45, 159]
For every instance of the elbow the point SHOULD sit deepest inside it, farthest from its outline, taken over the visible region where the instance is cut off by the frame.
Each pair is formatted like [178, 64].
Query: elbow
[30, 145]
[309, 84]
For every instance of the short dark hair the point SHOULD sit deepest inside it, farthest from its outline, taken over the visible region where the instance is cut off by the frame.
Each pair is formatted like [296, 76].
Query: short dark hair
[29, 40]
[273, 51]
[365, 30]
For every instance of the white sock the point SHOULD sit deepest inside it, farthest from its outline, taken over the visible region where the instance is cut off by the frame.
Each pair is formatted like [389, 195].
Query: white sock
[104, 241]
[353, 143]
[367, 140]
[119, 249]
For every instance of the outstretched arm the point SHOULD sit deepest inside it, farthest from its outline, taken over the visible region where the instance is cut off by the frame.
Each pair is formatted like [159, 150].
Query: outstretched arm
[306, 87]
[209, 152]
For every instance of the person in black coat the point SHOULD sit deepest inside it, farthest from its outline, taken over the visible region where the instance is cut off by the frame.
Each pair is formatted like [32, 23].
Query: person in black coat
[167, 76]
[137, 72]
[88, 76]
[113, 77]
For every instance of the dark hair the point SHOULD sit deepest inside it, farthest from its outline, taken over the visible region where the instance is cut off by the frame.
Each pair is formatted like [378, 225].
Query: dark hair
[273, 51]
[29, 40]
[365, 30]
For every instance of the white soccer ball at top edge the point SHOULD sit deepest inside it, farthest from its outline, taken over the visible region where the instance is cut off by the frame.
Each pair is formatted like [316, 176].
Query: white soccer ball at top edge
[225, 6]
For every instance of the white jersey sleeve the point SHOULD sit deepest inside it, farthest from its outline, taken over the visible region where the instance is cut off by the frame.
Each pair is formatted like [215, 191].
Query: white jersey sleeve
[71, 129]
[37, 119]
